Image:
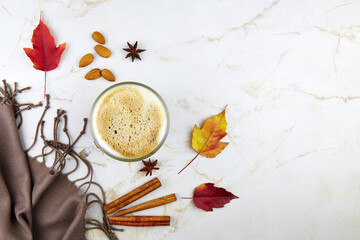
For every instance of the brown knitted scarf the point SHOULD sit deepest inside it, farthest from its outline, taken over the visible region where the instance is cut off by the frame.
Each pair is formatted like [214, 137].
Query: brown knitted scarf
[37, 202]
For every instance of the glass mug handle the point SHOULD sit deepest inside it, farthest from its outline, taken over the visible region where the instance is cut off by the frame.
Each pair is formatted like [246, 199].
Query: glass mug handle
[88, 150]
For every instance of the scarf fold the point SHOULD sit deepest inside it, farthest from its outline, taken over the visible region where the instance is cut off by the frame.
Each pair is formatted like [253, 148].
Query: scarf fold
[37, 202]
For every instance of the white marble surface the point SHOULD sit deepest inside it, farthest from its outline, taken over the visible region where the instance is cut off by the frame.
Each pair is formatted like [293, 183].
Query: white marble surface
[288, 70]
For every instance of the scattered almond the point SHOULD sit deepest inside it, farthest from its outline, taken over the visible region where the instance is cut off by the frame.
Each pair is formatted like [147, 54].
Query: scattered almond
[102, 51]
[86, 60]
[98, 37]
[93, 74]
[107, 74]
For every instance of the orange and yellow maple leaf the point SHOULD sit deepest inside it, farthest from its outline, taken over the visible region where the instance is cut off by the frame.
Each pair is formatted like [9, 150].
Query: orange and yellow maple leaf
[206, 141]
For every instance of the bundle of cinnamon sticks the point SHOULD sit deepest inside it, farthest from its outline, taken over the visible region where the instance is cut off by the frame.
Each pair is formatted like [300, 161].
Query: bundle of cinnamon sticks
[121, 202]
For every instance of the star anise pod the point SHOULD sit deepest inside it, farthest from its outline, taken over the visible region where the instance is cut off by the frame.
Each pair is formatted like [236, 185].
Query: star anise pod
[149, 167]
[133, 52]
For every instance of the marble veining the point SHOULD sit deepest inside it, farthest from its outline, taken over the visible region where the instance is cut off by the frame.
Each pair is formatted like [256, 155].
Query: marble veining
[286, 70]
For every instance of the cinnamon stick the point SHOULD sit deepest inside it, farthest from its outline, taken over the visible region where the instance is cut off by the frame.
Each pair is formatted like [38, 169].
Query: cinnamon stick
[140, 221]
[149, 204]
[140, 218]
[132, 196]
[139, 224]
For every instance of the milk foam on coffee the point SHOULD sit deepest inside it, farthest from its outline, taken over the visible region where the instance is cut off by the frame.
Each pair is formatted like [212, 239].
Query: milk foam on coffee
[129, 121]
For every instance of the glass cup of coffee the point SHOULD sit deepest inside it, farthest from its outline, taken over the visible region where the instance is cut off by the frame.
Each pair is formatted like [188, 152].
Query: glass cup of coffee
[129, 121]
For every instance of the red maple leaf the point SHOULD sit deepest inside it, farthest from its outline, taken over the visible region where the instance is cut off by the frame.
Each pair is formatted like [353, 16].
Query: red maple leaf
[207, 196]
[44, 54]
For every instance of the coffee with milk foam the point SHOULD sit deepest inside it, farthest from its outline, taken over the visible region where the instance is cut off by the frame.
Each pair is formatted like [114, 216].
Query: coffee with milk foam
[130, 121]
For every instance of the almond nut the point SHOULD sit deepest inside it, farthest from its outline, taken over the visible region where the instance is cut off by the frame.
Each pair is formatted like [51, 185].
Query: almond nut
[93, 74]
[86, 60]
[107, 74]
[98, 37]
[102, 51]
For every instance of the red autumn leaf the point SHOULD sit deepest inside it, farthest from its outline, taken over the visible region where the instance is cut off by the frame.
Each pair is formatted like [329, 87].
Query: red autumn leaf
[44, 54]
[207, 196]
